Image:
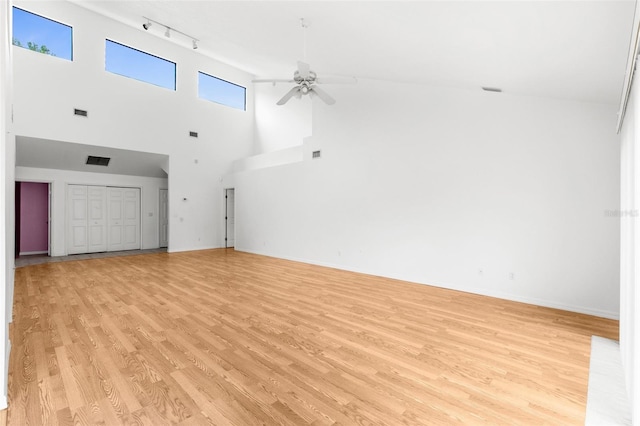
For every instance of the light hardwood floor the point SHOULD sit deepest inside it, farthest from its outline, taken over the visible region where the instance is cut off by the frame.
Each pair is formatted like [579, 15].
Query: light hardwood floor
[223, 337]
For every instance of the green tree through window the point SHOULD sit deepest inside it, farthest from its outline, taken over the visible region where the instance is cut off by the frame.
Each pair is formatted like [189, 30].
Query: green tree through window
[34, 46]
[42, 35]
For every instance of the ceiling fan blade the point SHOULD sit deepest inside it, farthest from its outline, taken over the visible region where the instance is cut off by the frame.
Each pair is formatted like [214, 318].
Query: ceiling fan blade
[291, 93]
[272, 80]
[322, 95]
[303, 69]
[337, 80]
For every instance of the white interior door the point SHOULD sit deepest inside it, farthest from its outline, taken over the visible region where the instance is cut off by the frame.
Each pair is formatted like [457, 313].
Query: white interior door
[116, 222]
[124, 219]
[163, 218]
[131, 218]
[230, 220]
[97, 219]
[77, 219]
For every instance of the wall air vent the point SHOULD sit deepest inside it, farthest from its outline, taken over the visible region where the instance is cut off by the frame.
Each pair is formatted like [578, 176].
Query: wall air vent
[315, 154]
[492, 89]
[98, 161]
[80, 112]
[193, 134]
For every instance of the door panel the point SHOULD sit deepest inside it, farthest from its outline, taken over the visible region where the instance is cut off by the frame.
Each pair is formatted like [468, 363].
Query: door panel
[163, 218]
[131, 216]
[230, 218]
[124, 219]
[97, 220]
[130, 235]
[116, 225]
[77, 219]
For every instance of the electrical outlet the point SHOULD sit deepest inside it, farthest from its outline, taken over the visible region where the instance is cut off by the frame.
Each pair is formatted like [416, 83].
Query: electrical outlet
[512, 276]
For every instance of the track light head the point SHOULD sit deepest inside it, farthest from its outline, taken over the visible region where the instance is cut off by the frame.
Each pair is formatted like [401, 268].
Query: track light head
[146, 26]
[195, 44]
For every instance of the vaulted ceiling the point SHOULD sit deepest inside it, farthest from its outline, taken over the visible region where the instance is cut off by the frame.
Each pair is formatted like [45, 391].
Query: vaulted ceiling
[560, 49]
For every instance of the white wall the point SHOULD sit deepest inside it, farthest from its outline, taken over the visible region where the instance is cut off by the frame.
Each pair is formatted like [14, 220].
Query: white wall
[434, 185]
[59, 179]
[279, 126]
[7, 161]
[630, 249]
[128, 114]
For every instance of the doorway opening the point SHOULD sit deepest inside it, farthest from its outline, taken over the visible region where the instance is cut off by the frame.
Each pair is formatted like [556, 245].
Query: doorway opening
[229, 217]
[33, 219]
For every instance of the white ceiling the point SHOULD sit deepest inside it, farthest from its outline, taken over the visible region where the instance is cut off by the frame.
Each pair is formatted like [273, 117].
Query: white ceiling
[49, 154]
[560, 49]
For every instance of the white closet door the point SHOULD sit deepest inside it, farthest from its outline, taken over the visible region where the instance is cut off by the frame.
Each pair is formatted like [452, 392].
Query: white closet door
[77, 219]
[97, 219]
[116, 223]
[124, 219]
[131, 218]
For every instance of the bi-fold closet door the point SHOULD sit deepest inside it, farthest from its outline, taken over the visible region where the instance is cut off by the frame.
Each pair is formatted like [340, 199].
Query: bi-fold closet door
[102, 218]
[124, 219]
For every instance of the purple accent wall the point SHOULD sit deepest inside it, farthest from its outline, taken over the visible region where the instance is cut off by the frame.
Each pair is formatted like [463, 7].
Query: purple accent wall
[34, 217]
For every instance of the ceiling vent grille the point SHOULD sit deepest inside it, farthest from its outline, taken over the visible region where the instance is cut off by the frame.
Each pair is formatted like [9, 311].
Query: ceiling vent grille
[98, 161]
[80, 112]
[492, 89]
[193, 134]
[315, 154]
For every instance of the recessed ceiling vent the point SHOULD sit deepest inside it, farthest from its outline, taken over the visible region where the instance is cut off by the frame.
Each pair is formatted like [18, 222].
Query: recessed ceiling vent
[80, 112]
[193, 134]
[98, 161]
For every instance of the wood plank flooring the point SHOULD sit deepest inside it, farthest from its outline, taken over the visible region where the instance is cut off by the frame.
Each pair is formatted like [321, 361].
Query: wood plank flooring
[229, 338]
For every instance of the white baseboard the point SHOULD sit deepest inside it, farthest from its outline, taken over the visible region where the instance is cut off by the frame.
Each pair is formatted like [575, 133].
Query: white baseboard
[191, 248]
[3, 402]
[482, 292]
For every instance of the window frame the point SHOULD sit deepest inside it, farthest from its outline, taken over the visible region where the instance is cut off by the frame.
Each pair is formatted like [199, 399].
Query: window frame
[175, 65]
[244, 100]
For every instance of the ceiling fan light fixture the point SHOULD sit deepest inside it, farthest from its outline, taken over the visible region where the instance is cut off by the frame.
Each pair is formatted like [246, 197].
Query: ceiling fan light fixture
[306, 80]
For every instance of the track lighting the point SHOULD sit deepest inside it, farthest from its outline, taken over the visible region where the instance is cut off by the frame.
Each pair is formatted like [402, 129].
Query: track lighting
[168, 31]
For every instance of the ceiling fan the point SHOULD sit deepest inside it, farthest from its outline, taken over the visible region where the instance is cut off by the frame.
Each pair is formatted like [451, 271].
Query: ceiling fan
[307, 81]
